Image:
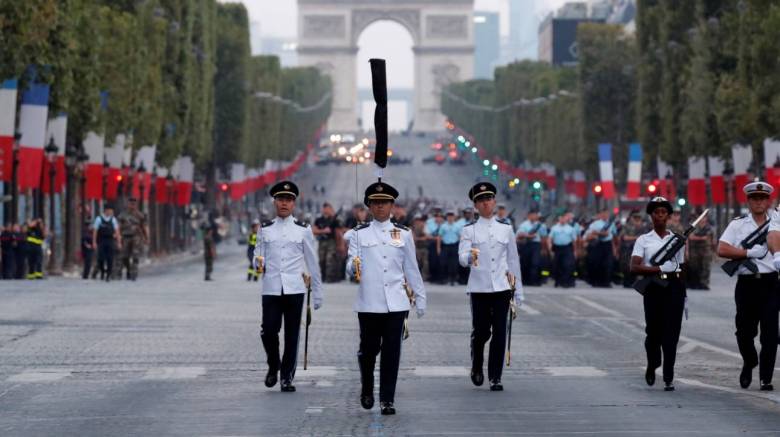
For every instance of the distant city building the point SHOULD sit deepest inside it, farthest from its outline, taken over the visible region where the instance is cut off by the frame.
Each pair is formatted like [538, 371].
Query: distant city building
[486, 43]
[284, 48]
[523, 26]
[558, 32]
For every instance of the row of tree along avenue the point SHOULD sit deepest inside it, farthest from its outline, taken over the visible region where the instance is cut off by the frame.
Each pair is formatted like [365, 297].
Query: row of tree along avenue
[103, 100]
[693, 90]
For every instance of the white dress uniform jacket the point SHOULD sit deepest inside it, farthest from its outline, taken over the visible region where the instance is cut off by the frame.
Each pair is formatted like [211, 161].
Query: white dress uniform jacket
[387, 257]
[736, 231]
[648, 244]
[286, 245]
[497, 256]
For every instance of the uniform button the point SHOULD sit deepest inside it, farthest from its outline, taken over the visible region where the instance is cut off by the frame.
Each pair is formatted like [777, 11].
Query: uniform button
[384, 257]
[492, 259]
[385, 270]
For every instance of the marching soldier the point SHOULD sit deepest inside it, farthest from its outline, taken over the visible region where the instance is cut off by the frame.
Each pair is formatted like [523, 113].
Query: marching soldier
[529, 236]
[135, 233]
[252, 274]
[663, 304]
[488, 247]
[284, 248]
[756, 293]
[383, 257]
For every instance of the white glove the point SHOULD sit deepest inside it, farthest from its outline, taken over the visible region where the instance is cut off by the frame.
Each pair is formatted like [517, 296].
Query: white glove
[777, 260]
[757, 251]
[317, 303]
[669, 266]
[420, 312]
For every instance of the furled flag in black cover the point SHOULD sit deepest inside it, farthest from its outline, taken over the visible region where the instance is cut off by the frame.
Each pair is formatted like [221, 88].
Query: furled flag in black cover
[379, 84]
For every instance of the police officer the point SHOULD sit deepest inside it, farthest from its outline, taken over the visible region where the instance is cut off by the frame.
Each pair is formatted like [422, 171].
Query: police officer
[529, 235]
[756, 293]
[284, 248]
[132, 223]
[449, 231]
[252, 274]
[383, 255]
[600, 236]
[106, 237]
[561, 242]
[663, 305]
[488, 247]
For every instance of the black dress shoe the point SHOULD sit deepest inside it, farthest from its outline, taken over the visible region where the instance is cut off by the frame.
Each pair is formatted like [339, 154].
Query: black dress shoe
[495, 385]
[650, 375]
[767, 386]
[477, 377]
[387, 408]
[287, 386]
[270, 378]
[668, 386]
[745, 377]
[367, 401]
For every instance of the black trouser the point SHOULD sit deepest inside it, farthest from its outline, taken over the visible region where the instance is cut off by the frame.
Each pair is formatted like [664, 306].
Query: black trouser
[757, 304]
[380, 332]
[564, 265]
[531, 262]
[434, 265]
[488, 319]
[105, 258]
[276, 308]
[87, 255]
[600, 263]
[9, 261]
[449, 258]
[34, 261]
[663, 319]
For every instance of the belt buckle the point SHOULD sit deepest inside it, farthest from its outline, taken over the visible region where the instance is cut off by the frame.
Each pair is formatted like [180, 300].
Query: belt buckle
[758, 275]
[663, 275]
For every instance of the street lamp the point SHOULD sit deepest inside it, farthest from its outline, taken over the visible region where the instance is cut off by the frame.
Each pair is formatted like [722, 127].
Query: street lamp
[51, 155]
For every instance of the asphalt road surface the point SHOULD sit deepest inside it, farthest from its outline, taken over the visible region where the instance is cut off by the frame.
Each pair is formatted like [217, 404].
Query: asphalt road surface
[173, 355]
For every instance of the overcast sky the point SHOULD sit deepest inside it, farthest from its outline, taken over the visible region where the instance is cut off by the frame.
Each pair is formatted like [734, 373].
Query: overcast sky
[384, 39]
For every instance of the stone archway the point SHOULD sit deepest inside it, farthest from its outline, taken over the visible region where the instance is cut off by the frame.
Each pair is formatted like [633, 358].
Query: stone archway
[442, 32]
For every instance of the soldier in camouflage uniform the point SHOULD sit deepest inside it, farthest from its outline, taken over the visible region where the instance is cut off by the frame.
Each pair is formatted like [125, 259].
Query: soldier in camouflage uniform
[700, 255]
[132, 223]
[633, 228]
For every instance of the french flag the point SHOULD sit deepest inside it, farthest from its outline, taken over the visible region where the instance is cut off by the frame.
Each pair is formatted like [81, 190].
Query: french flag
[634, 187]
[697, 184]
[161, 190]
[665, 180]
[237, 181]
[56, 131]
[550, 178]
[185, 170]
[7, 125]
[717, 183]
[606, 172]
[114, 158]
[93, 146]
[33, 118]
[145, 156]
[742, 155]
[772, 162]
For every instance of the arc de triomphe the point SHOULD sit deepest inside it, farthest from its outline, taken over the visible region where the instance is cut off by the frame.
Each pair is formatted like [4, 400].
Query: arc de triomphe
[442, 32]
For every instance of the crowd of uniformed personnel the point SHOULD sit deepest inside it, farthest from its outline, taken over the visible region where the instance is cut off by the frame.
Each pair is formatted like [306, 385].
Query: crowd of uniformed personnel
[22, 249]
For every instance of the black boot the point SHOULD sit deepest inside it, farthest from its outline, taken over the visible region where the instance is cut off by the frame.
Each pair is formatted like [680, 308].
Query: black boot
[746, 376]
[271, 378]
[287, 386]
[387, 408]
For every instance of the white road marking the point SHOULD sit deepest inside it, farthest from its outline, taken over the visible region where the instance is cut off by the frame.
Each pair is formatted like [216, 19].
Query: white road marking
[324, 383]
[578, 371]
[162, 373]
[441, 371]
[764, 395]
[314, 410]
[528, 310]
[40, 375]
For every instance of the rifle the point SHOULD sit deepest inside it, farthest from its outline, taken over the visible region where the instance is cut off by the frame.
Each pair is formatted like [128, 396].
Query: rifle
[756, 238]
[412, 303]
[666, 253]
[512, 316]
[307, 282]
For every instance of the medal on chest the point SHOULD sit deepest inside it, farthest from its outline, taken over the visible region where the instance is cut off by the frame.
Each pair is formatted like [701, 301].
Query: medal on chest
[395, 237]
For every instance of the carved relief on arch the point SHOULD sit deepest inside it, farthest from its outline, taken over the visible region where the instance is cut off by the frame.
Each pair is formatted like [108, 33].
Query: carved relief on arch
[409, 18]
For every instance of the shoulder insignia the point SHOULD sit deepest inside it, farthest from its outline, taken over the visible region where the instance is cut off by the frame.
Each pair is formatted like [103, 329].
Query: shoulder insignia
[300, 223]
[361, 226]
[267, 223]
[470, 223]
[504, 221]
[400, 226]
[739, 217]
